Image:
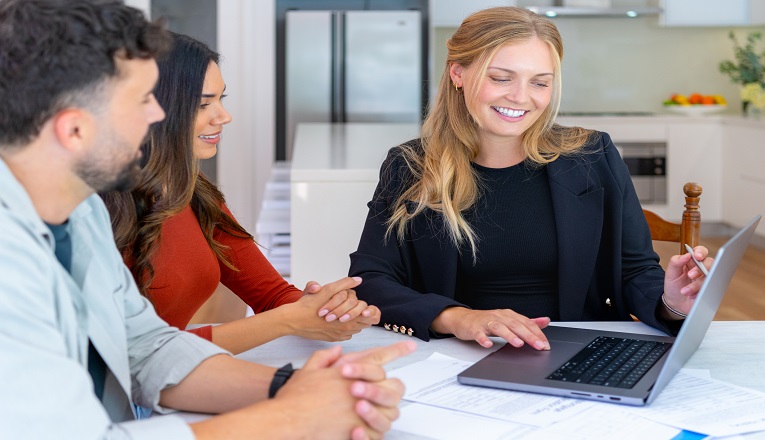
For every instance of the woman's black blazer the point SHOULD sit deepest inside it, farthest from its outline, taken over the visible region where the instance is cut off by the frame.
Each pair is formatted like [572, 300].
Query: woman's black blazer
[607, 269]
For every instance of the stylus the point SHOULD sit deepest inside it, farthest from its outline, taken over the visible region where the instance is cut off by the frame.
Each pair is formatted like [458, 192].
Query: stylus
[698, 263]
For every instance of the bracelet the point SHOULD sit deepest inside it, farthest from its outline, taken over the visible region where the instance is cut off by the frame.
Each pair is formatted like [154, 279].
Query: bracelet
[280, 378]
[676, 312]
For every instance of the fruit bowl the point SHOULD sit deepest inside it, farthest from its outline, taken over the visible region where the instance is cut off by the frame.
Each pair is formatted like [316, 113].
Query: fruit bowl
[696, 109]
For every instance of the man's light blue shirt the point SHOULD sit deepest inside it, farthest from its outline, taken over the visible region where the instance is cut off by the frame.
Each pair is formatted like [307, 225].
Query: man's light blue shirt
[47, 316]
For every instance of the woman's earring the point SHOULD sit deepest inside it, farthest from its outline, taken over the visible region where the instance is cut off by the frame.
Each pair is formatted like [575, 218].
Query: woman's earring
[456, 87]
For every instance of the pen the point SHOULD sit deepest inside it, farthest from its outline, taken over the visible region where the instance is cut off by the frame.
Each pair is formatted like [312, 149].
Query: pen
[698, 263]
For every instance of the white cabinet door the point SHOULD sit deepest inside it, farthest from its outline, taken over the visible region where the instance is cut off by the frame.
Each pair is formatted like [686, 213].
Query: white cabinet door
[326, 222]
[743, 164]
[712, 12]
[694, 154]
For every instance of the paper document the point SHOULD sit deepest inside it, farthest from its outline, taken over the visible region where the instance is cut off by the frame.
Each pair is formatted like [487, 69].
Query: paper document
[707, 405]
[434, 382]
[444, 424]
[605, 421]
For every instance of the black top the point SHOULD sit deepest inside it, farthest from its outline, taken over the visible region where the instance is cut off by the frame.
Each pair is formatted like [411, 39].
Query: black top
[517, 256]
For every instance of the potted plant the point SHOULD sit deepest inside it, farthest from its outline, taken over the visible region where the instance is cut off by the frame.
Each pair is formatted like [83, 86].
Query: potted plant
[747, 69]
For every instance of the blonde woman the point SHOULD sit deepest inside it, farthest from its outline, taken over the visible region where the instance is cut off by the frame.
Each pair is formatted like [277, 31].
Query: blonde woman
[498, 220]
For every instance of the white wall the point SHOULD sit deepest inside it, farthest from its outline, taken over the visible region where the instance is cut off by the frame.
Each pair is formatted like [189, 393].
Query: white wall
[622, 64]
[246, 42]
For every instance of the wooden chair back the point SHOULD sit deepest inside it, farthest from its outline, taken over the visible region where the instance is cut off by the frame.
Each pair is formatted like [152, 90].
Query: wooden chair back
[688, 230]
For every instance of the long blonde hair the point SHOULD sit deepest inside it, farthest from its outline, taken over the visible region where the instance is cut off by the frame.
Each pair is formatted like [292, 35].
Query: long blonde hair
[443, 178]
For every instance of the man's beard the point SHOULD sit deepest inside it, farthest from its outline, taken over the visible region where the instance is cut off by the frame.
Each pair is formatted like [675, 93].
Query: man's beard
[103, 180]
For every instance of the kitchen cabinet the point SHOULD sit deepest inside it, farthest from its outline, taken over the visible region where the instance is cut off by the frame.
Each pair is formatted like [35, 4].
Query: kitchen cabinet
[742, 165]
[693, 154]
[712, 12]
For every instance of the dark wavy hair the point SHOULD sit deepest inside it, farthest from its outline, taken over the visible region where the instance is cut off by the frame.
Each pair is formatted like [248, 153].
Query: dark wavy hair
[55, 54]
[170, 178]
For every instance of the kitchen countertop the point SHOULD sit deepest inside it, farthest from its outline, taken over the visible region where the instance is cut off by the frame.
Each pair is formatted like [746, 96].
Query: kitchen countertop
[345, 152]
[740, 121]
[354, 151]
[724, 118]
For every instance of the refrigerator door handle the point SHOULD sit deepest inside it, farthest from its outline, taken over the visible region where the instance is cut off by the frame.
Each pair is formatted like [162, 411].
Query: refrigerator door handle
[338, 64]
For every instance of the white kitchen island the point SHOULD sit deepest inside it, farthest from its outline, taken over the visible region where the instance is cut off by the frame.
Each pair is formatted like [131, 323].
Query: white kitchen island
[335, 168]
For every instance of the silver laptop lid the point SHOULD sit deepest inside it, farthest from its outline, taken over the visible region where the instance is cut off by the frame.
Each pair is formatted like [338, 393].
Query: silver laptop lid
[704, 308]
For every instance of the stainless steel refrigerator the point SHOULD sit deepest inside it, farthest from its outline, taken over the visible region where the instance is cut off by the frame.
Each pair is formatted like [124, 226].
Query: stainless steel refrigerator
[350, 66]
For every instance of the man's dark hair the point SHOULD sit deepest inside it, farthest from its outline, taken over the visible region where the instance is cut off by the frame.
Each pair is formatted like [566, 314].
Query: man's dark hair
[59, 53]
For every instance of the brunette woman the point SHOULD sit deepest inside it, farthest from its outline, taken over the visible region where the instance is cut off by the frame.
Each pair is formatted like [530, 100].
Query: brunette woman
[180, 240]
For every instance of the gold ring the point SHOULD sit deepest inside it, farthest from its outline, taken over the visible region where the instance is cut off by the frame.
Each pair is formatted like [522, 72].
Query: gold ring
[489, 324]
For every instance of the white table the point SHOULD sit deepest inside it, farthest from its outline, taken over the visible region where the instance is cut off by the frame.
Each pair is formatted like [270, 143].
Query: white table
[733, 351]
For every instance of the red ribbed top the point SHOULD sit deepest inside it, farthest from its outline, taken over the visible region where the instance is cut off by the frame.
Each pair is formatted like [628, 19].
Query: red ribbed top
[187, 273]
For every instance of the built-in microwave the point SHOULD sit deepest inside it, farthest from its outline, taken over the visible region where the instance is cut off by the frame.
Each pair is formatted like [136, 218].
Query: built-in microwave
[647, 164]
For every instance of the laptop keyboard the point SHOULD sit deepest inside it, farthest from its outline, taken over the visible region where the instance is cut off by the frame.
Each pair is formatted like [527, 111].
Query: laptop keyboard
[611, 362]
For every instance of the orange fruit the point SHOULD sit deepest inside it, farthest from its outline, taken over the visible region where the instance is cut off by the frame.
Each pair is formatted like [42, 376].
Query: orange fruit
[708, 100]
[695, 98]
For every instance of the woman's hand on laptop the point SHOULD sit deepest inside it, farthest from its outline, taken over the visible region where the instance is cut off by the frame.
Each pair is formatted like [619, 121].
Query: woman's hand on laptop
[478, 325]
[683, 279]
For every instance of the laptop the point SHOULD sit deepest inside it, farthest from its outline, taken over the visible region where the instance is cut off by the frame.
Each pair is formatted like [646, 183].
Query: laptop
[578, 363]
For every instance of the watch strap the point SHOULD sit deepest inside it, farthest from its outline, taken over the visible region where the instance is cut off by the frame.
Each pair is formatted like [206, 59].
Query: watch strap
[280, 378]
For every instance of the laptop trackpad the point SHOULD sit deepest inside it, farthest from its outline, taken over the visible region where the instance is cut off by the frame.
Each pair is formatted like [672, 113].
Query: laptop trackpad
[560, 351]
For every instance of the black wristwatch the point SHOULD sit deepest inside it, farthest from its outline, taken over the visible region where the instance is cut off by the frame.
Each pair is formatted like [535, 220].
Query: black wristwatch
[280, 378]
